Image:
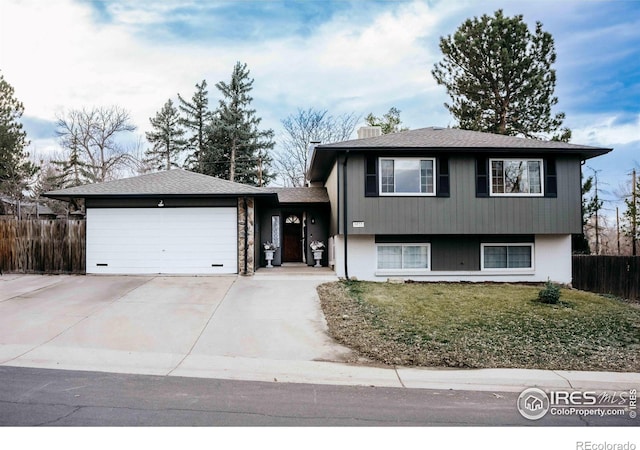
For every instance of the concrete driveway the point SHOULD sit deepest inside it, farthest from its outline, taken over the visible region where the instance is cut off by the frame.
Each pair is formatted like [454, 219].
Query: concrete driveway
[159, 325]
[255, 328]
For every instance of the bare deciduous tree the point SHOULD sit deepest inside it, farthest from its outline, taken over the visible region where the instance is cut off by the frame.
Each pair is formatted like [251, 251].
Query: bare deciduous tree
[94, 133]
[300, 130]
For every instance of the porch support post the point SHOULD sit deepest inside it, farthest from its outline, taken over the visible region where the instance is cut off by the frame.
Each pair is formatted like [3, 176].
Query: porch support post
[246, 238]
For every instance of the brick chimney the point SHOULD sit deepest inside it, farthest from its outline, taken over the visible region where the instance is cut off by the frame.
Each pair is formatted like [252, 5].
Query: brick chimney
[369, 132]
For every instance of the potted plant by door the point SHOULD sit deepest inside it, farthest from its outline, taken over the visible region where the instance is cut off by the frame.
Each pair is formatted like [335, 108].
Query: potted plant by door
[317, 247]
[269, 250]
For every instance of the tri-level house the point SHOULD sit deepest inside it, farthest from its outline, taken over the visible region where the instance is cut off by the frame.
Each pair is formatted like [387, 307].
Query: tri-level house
[453, 205]
[427, 204]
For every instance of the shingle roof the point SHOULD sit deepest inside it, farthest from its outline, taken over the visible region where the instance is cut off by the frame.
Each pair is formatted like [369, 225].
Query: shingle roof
[184, 183]
[172, 182]
[434, 137]
[301, 194]
[445, 140]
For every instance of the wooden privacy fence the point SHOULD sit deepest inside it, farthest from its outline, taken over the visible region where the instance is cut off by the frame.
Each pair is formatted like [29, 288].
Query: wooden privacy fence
[42, 246]
[615, 275]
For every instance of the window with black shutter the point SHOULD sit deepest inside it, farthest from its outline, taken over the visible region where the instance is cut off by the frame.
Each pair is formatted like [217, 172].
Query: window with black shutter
[371, 177]
[551, 178]
[482, 177]
[426, 181]
[442, 169]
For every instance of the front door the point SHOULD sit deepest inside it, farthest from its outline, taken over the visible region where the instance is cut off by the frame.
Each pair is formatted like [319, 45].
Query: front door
[292, 246]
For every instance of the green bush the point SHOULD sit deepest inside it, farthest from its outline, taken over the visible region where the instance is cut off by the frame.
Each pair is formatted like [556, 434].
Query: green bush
[550, 294]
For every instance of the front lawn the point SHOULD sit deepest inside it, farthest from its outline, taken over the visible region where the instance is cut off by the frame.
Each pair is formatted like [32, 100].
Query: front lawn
[482, 325]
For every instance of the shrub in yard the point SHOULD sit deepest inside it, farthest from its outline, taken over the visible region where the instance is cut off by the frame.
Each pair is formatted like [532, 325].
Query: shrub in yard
[550, 294]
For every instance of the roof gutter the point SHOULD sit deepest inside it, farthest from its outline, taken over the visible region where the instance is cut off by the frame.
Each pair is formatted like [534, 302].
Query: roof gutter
[67, 197]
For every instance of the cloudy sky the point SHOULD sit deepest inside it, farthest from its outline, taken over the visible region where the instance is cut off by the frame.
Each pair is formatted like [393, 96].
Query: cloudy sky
[343, 56]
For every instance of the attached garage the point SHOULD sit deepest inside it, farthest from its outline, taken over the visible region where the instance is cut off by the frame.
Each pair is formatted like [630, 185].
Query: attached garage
[171, 222]
[162, 240]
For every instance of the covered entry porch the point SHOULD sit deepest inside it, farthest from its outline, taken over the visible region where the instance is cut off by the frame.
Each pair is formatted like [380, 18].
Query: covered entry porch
[300, 217]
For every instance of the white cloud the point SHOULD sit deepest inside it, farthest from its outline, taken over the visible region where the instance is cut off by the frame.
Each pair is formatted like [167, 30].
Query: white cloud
[607, 131]
[66, 59]
[613, 169]
[350, 65]
[140, 12]
[58, 56]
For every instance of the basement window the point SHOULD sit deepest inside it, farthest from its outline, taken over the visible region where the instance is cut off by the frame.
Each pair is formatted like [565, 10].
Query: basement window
[403, 256]
[507, 256]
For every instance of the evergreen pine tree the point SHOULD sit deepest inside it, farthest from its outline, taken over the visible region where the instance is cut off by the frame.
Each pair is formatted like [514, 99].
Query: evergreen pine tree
[590, 206]
[500, 78]
[196, 119]
[238, 150]
[48, 180]
[632, 214]
[15, 169]
[166, 138]
[73, 171]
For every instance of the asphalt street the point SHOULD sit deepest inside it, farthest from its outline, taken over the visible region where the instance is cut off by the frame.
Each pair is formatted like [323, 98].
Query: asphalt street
[44, 397]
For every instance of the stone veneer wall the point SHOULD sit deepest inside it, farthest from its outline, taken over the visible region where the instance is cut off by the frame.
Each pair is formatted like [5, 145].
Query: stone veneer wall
[249, 215]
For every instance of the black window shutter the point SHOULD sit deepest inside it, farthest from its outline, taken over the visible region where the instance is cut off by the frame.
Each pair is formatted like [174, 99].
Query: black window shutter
[482, 177]
[442, 174]
[371, 177]
[550, 178]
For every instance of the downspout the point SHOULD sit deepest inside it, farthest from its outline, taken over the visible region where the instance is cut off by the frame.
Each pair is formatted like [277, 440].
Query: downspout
[335, 266]
[246, 235]
[344, 213]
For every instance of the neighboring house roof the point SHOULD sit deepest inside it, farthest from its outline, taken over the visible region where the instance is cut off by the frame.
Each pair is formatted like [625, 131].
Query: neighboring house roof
[28, 208]
[301, 194]
[40, 210]
[176, 182]
[451, 140]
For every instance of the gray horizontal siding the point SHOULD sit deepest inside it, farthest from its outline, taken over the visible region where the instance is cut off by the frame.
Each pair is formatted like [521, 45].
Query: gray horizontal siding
[462, 212]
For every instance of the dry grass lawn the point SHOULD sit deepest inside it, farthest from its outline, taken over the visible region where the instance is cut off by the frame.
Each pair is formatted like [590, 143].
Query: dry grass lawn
[482, 325]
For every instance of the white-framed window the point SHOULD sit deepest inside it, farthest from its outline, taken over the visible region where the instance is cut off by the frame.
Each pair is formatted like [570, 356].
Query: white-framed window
[403, 256]
[407, 176]
[517, 177]
[507, 256]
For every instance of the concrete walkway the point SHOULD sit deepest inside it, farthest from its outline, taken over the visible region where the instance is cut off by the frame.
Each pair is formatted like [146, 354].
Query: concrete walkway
[265, 328]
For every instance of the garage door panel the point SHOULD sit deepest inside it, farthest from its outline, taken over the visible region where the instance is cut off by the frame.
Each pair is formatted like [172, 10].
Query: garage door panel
[180, 240]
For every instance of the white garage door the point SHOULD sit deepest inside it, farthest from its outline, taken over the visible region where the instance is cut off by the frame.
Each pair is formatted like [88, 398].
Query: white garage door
[162, 240]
